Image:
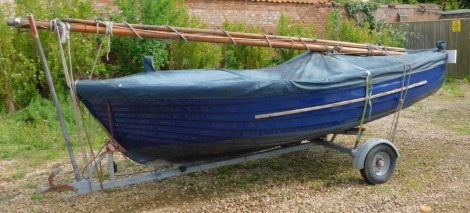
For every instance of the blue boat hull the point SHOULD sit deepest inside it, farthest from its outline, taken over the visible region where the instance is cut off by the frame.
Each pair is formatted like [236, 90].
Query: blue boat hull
[185, 129]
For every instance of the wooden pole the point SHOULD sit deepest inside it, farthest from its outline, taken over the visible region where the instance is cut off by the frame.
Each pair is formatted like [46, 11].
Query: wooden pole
[233, 34]
[217, 36]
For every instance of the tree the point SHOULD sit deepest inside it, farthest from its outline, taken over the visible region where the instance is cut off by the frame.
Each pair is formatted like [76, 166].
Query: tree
[449, 4]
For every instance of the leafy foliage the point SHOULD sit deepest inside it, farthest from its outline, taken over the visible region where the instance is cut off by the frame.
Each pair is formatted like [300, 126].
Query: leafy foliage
[334, 23]
[288, 27]
[192, 55]
[131, 50]
[350, 30]
[448, 4]
[22, 75]
[355, 9]
[36, 127]
[244, 57]
[167, 54]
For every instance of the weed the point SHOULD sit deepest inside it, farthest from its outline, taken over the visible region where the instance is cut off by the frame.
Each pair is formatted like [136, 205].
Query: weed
[240, 184]
[315, 184]
[31, 185]
[39, 132]
[464, 130]
[130, 163]
[38, 196]
[18, 175]
[223, 171]
[8, 196]
[452, 86]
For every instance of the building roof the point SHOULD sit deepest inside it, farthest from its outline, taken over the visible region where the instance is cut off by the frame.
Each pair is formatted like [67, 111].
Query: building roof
[294, 1]
[456, 12]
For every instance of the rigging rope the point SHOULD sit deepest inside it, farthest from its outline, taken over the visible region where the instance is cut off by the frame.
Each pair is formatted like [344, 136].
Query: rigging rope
[291, 43]
[407, 69]
[303, 42]
[62, 30]
[132, 28]
[267, 39]
[233, 41]
[405, 82]
[108, 33]
[177, 33]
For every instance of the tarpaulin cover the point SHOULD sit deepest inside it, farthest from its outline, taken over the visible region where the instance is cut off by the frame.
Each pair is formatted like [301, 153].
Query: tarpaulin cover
[306, 73]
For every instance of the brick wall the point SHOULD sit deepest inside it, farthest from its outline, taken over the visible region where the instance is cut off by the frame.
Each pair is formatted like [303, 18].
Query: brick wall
[409, 13]
[265, 13]
[105, 7]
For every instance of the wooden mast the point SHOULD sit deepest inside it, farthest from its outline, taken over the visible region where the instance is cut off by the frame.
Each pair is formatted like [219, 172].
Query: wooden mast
[217, 36]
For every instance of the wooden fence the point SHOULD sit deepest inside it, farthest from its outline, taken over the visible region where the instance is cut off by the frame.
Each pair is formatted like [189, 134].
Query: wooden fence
[423, 35]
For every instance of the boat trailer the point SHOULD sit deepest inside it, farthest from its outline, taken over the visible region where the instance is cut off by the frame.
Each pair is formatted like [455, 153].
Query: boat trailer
[376, 160]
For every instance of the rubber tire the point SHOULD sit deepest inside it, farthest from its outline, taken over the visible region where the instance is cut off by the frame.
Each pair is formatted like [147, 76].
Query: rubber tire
[368, 173]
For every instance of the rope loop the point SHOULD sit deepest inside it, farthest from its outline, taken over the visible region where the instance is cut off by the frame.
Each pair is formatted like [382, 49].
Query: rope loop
[108, 33]
[267, 39]
[338, 49]
[62, 29]
[303, 42]
[133, 30]
[228, 35]
[291, 43]
[370, 50]
[177, 32]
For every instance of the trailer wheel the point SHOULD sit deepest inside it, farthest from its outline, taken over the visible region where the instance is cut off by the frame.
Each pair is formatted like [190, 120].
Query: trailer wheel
[379, 164]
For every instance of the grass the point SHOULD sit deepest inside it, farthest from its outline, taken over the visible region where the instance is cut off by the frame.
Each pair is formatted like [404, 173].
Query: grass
[18, 175]
[31, 185]
[38, 196]
[452, 86]
[33, 133]
[448, 115]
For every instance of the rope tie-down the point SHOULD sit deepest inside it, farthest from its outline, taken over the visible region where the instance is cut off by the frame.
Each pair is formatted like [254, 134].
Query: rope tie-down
[62, 31]
[367, 100]
[405, 82]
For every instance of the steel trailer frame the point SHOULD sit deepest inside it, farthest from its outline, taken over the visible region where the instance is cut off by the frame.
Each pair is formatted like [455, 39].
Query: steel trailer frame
[86, 185]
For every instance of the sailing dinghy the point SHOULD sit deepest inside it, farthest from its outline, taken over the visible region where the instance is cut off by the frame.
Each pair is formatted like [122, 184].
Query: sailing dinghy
[181, 115]
[200, 115]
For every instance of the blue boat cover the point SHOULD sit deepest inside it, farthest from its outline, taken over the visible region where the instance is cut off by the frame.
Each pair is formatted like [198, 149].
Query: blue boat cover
[306, 73]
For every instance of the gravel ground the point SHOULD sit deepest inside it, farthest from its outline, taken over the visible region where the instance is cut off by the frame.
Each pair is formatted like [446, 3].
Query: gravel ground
[432, 173]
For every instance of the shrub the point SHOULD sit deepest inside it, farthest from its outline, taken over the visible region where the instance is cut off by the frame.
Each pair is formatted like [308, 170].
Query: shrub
[350, 30]
[244, 57]
[288, 27]
[130, 51]
[193, 55]
[22, 75]
[167, 54]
